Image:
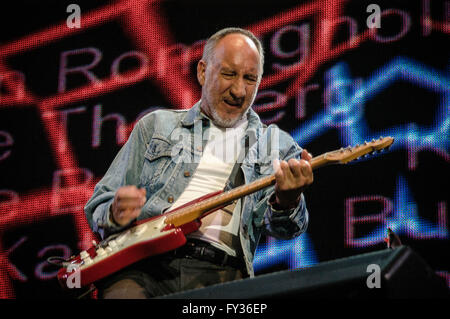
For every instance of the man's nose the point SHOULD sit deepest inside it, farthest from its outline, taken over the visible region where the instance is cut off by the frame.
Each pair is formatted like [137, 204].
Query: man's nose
[238, 88]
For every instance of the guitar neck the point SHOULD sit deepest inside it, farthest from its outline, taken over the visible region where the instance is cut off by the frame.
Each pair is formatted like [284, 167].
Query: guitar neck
[192, 212]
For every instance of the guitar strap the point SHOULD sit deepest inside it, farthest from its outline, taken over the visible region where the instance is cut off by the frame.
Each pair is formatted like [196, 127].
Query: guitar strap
[237, 177]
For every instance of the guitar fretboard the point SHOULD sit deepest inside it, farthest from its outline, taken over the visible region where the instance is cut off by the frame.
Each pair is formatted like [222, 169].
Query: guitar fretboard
[196, 210]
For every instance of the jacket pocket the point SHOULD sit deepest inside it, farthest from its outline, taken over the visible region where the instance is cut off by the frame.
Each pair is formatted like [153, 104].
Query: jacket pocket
[157, 159]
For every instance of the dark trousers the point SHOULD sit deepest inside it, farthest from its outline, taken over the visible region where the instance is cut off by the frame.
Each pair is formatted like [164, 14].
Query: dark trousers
[162, 275]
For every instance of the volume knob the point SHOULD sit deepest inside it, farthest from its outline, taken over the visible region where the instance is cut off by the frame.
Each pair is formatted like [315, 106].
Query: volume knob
[101, 252]
[112, 244]
[84, 254]
[88, 261]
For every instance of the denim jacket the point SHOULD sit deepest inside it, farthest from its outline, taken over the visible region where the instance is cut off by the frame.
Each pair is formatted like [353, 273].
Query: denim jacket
[162, 153]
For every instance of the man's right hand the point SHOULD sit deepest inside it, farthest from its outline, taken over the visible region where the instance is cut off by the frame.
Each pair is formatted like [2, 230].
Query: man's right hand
[127, 204]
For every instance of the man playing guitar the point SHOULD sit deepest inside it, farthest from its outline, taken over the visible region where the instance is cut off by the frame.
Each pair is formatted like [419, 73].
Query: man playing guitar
[175, 156]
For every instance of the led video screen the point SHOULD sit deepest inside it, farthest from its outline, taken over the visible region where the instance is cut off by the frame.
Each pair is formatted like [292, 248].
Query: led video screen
[76, 76]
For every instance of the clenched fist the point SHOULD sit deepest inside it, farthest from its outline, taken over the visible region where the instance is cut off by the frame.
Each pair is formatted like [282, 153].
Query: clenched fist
[127, 204]
[292, 177]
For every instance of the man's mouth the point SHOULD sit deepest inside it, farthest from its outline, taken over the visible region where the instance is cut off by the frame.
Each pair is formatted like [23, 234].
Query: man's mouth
[233, 103]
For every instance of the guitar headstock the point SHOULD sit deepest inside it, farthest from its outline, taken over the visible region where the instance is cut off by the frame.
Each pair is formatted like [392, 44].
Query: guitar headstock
[348, 154]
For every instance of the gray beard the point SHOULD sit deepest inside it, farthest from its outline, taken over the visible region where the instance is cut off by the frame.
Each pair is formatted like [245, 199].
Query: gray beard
[225, 123]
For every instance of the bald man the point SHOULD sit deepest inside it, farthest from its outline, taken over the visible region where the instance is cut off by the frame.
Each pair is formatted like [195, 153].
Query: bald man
[223, 144]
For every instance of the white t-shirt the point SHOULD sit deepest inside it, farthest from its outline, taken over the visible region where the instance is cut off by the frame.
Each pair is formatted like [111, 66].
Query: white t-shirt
[220, 228]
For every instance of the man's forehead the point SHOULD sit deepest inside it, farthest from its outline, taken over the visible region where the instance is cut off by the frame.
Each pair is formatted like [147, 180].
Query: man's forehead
[236, 40]
[237, 48]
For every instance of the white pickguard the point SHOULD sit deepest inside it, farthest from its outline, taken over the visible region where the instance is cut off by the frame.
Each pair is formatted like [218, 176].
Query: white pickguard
[141, 233]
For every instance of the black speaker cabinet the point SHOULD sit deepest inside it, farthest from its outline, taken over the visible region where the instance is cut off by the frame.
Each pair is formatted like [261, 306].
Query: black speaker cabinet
[401, 274]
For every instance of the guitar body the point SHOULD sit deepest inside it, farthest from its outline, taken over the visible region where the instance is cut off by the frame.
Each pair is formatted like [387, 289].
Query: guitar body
[144, 239]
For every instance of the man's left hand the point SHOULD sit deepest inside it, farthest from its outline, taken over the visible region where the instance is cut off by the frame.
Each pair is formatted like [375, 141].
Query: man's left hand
[292, 178]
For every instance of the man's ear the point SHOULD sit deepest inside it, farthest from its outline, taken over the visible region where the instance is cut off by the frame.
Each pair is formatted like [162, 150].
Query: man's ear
[201, 70]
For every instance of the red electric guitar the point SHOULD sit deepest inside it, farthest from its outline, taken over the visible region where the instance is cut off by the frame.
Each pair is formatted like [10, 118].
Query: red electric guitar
[167, 232]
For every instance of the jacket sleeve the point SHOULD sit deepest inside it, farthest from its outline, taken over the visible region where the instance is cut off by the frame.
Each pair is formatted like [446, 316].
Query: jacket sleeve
[124, 170]
[284, 224]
